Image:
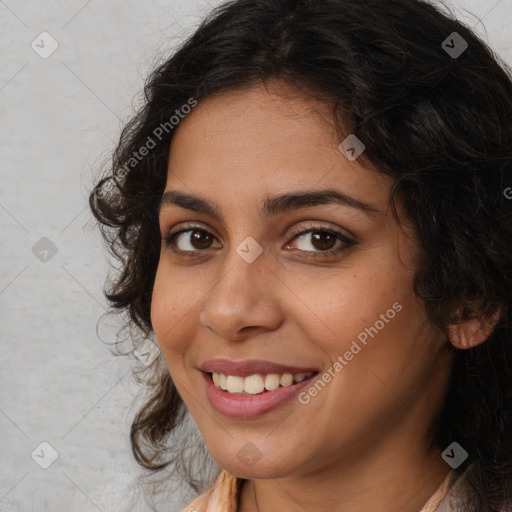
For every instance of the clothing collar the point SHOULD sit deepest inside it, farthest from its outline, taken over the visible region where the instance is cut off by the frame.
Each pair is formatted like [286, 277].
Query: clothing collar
[224, 494]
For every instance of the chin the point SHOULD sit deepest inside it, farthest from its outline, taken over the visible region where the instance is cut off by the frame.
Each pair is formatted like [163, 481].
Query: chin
[255, 464]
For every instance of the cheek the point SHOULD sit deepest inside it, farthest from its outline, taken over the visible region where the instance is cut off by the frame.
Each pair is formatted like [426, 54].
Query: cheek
[346, 303]
[160, 306]
[169, 311]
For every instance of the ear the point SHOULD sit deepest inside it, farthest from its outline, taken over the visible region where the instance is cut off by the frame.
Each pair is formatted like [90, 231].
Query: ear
[472, 332]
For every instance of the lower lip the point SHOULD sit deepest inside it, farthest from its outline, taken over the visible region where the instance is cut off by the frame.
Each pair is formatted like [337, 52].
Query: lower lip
[250, 406]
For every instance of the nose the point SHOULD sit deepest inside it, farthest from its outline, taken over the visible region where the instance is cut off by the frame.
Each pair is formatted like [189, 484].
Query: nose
[243, 301]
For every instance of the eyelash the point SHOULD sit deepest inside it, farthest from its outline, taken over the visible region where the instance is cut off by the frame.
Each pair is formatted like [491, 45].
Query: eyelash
[296, 232]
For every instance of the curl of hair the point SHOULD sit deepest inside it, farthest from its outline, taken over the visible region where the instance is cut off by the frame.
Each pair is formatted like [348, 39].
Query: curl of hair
[440, 126]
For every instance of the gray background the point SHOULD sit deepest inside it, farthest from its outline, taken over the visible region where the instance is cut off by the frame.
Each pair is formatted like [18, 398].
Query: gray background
[60, 116]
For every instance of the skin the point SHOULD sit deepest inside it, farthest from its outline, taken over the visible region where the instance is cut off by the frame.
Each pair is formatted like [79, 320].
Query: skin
[362, 443]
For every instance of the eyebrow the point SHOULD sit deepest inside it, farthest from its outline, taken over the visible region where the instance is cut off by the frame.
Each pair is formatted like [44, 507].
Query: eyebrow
[273, 205]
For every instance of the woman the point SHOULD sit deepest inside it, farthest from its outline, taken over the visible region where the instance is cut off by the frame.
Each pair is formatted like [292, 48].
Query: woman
[312, 217]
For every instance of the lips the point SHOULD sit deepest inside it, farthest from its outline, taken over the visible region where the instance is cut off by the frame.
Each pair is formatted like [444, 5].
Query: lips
[225, 382]
[244, 368]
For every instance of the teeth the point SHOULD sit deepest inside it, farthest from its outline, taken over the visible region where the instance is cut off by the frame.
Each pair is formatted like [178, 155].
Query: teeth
[271, 381]
[286, 379]
[234, 384]
[222, 381]
[255, 384]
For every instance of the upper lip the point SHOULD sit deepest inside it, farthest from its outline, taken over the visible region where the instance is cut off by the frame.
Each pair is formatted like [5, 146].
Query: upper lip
[246, 367]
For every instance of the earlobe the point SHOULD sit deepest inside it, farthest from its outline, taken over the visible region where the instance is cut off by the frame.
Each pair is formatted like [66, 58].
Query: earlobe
[473, 332]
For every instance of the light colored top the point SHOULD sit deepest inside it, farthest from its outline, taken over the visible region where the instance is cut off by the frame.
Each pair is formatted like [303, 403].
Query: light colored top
[223, 495]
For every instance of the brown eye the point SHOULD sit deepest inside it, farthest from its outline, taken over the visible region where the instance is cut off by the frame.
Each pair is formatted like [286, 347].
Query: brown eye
[323, 241]
[200, 239]
[195, 240]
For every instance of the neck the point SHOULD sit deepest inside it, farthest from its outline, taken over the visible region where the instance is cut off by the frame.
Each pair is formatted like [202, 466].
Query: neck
[393, 480]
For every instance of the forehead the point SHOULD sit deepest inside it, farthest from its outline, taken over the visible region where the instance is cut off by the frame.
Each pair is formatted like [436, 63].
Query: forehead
[248, 120]
[264, 141]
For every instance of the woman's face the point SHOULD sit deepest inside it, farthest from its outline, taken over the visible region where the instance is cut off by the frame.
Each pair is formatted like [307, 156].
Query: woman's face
[257, 285]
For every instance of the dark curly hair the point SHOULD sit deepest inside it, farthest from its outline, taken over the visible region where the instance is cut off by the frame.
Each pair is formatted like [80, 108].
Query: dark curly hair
[440, 124]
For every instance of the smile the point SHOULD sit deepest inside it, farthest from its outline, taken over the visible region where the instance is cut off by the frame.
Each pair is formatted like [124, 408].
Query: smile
[247, 389]
[258, 383]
